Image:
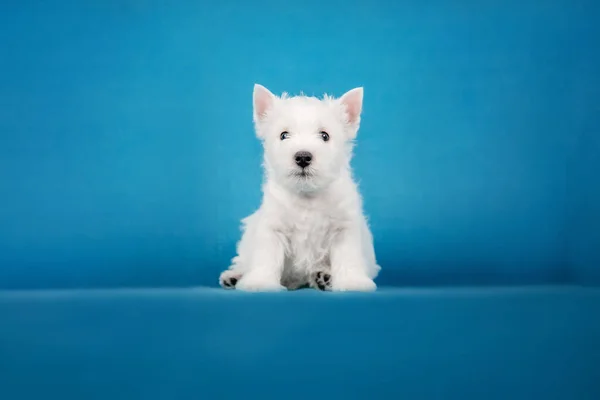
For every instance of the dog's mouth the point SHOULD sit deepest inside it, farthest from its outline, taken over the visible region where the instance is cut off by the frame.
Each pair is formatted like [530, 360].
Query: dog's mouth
[302, 174]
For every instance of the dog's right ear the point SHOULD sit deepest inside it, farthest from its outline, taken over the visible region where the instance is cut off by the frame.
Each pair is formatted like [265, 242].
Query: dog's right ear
[263, 100]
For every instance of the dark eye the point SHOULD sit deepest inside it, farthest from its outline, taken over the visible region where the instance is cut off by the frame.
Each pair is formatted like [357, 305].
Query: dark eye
[284, 135]
[325, 136]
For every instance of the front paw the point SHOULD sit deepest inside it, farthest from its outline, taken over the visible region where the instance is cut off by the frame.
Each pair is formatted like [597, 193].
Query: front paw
[229, 278]
[353, 283]
[259, 283]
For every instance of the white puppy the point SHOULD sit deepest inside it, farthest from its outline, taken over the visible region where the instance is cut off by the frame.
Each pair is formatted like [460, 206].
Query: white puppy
[310, 228]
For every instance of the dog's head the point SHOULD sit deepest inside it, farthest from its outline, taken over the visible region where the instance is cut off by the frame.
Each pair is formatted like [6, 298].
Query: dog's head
[307, 141]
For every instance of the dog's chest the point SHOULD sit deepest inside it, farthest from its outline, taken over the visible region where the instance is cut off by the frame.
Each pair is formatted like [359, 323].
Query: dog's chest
[310, 236]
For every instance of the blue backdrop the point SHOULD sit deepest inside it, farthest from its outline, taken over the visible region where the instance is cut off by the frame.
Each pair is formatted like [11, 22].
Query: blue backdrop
[127, 155]
[127, 158]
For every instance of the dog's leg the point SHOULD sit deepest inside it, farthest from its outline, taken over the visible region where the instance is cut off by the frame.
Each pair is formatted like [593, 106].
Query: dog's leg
[349, 270]
[266, 262]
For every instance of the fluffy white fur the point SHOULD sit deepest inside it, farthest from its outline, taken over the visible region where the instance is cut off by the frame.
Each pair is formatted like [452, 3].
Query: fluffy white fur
[311, 223]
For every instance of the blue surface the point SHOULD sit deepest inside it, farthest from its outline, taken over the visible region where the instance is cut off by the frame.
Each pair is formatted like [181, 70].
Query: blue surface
[395, 344]
[127, 159]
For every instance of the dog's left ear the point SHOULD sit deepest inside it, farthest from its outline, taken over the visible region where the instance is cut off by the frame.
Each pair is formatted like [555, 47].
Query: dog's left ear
[262, 100]
[353, 100]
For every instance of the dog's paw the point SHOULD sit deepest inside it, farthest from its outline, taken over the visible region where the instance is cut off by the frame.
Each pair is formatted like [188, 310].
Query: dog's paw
[321, 280]
[229, 279]
[353, 283]
[258, 283]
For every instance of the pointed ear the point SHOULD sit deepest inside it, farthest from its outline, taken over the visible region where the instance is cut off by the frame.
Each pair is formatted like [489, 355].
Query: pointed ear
[263, 100]
[353, 100]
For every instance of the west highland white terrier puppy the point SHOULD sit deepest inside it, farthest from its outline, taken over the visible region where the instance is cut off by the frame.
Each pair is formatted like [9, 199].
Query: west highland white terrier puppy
[310, 228]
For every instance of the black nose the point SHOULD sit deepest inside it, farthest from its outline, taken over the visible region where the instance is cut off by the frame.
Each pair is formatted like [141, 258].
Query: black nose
[303, 158]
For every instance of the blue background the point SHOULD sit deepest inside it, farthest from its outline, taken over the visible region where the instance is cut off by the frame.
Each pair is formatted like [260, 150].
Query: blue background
[127, 159]
[127, 154]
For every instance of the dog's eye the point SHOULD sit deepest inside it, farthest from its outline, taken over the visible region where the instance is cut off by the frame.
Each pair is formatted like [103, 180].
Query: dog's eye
[284, 135]
[325, 136]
